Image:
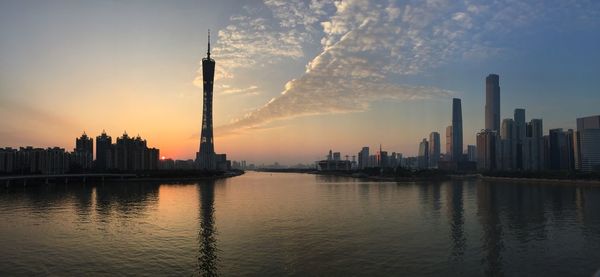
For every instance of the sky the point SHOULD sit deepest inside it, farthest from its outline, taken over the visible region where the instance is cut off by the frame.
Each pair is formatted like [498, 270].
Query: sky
[293, 78]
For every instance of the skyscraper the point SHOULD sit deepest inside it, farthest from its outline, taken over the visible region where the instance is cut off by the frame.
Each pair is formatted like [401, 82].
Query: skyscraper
[492, 102]
[448, 156]
[520, 133]
[533, 146]
[457, 130]
[363, 158]
[423, 154]
[486, 150]
[507, 149]
[205, 158]
[587, 144]
[434, 149]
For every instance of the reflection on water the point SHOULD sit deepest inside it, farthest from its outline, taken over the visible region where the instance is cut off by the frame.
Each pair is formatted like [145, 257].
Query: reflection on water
[300, 224]
[207, 255]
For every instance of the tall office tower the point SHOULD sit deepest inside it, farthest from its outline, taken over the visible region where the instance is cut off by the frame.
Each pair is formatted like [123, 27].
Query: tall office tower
[84, 151]
[487, 147]
[587, 144]
[560, 150]
[520, 133]
[448, 156]
[507, 145]
[471, 153]
[104, 155]
[434, 149]
[533, 146]
[205, 158]
[363, 158]
[457, 130]
[423, 159]
[492, 102]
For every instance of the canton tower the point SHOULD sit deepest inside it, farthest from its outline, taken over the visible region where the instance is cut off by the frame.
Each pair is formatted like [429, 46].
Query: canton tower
[205, 158]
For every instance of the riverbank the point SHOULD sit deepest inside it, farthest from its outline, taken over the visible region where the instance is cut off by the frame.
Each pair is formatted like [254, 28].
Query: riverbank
[446, 177]
[543, 181]
[155, 176]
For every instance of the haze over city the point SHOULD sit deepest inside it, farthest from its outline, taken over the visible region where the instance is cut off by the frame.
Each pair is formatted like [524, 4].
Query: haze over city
[293, 79]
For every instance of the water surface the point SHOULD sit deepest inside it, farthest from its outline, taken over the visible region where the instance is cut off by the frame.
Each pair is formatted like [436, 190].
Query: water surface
[300, 224]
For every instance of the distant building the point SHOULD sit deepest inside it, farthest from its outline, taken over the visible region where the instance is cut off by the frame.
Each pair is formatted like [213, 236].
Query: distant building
[8, 160]
[507, 145]
[423, 158]
[471, 153]
[337, 156]
[434, 149]
[519, 137]
[448, 155]
[533, 146]
[492, 102]
[586, 142]
[457, 130]
[560, 150]
[104, 156]
[363, 158]
[487, 147]
[83, 154]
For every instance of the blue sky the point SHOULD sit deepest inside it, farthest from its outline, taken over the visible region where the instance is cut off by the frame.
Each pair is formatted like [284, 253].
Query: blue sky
[309, 75]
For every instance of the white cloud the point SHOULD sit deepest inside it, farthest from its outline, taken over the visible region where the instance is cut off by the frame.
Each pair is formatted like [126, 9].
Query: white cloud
[365, 46]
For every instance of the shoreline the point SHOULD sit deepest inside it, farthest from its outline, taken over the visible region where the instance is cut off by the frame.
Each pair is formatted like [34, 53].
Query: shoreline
[463, 177]
[35, 181]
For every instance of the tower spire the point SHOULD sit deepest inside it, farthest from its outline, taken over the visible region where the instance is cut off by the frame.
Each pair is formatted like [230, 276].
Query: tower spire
[208, 52]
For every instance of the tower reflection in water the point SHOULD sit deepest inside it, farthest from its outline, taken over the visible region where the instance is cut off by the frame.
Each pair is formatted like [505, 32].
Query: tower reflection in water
[207, 253]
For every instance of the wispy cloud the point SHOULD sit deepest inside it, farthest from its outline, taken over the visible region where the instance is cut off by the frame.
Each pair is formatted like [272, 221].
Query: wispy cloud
[365, 46]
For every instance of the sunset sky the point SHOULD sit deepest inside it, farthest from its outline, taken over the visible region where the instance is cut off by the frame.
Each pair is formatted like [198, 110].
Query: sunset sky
[294, 79]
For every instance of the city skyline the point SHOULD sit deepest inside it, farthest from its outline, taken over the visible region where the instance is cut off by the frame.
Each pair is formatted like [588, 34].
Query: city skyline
[140, 78]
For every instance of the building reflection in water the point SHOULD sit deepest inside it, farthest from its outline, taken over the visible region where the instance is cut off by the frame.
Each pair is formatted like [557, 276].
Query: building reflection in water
[456, 218]
[207, 253]
[492, 238]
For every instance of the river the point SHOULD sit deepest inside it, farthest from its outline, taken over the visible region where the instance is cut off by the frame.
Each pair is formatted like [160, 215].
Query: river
[300, 224]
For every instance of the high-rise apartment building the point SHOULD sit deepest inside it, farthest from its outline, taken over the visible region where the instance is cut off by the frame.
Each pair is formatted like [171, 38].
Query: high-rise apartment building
[586, 144]
[423, 159]
[448, 156]
[434, 149]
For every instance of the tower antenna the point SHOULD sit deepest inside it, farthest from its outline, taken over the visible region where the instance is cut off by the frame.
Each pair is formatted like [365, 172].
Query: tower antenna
[208, 52]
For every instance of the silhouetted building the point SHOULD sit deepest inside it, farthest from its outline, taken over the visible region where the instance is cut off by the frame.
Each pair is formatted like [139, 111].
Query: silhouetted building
[104, 155]
[31, 160]
[434, 149]
[8, 160]
[363, 158]
[560, 150]
[457, 130]
[533, 146]
[487, 148]
[83, 154]
[492, 102]
[133, 154]
[507, 145]
[448, 156]
[423, 154]
[222, 163]
[586, 143]
[520, 134]
[471, 153]
[206, 155]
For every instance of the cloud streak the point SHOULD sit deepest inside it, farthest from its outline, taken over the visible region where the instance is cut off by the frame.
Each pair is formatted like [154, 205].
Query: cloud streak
[365, 46]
